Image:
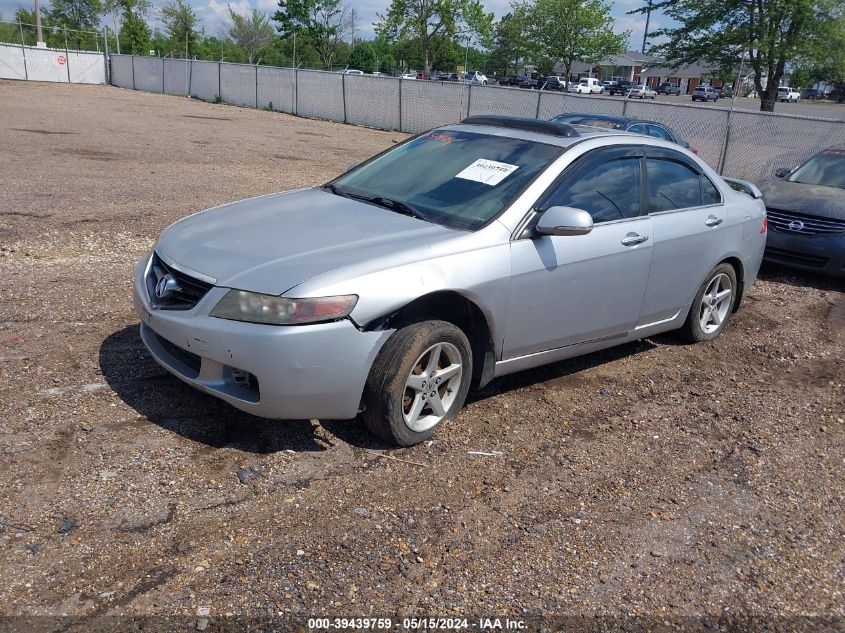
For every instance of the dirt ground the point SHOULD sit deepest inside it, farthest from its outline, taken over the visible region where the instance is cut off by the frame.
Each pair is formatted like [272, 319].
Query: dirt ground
[656, 479]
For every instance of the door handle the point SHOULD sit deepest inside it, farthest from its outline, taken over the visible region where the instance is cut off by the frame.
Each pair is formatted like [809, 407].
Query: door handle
[712, 220]
[632, 239]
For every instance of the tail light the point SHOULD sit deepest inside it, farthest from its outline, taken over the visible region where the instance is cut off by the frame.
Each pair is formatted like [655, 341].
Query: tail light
[765, 226]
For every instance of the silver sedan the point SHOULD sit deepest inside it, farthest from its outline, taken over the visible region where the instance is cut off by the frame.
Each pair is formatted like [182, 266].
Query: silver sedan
[465, 253]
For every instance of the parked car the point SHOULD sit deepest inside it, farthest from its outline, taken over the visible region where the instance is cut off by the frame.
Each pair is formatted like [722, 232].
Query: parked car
[705, 93]
[529, 83]
[588, 85]
[351, 71]
[408, 75]
[787, 94]
[725, 92]
[512, 80]
[553, 82]
[806, 209]
[620, 87]
[475, 77]
[641, 91]
[624, 124]
[470, 252]
[606, 85]
[811, 94]
[381, 74]
[667, 88]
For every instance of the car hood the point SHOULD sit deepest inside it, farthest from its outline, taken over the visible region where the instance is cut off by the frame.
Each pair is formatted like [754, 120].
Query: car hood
[272, 243]
[826, 202]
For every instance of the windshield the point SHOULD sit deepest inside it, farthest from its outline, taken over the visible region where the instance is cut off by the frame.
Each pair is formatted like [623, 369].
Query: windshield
[826, 168]
[458, 179]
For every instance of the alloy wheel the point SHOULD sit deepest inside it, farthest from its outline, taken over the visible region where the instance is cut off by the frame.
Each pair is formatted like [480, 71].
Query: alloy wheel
[715, 303]
[432, 386]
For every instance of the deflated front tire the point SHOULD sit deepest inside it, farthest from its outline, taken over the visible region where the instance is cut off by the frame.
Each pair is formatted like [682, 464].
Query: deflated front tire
[419, 379]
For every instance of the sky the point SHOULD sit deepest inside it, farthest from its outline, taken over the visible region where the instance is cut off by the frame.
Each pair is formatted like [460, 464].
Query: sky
[213, 14]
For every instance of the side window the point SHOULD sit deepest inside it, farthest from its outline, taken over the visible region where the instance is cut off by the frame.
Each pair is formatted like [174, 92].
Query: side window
[639, 128]
[672, 185]
[607, 191]
[659, 132]
[709, 193]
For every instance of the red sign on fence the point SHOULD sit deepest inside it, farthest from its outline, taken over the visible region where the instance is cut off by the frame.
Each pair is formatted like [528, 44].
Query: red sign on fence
[61, 59]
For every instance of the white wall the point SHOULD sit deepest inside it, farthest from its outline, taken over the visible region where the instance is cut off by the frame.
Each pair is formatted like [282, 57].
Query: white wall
[50, 64]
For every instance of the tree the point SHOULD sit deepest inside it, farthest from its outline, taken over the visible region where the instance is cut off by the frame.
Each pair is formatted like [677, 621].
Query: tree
[322, 23]
[134, 33]
[363, 57]
[510, 40]
[251, 32]
[571, 31]
[434, 22]
[77, 16]
[767, 33]
[824, 58]
[81, 15]
[180, 23]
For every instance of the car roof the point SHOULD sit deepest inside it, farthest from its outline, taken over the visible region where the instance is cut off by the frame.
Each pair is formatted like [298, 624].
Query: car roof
[581, 132]
[610, 117]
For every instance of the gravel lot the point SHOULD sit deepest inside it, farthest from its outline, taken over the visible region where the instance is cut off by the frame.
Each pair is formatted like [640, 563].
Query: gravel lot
[656, 479]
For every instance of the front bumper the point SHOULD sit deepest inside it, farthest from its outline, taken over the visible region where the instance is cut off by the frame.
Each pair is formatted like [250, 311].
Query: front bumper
[818, 254]
[281, 372]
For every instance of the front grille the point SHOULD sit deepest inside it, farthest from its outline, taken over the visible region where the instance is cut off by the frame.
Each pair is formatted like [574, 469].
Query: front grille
[791, 257]
[182, 292]
[812, 225]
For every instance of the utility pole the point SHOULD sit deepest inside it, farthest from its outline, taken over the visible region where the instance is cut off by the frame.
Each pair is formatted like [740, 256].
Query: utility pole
[647, 20]
[39, 36]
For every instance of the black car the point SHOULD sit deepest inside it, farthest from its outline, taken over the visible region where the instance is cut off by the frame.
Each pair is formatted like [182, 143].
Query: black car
[806, 211]
[551, 83]
[512, 80]
[527, 82]
[620, 87]
[637, 126]
[725, 92]
[667, 88]
[811, 94]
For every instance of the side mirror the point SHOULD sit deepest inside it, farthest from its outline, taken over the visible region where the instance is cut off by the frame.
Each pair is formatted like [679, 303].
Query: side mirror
[780, 172]
[564, 221]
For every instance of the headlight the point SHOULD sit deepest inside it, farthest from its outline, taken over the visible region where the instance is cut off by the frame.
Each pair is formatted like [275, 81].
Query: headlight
[240, 305]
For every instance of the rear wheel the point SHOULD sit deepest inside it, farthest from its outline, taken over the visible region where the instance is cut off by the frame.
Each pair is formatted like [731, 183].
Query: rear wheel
[419, 379]
[712, 305]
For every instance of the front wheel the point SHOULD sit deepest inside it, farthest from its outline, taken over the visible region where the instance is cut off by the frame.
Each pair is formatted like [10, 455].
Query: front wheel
[419, 379]
[712, 305]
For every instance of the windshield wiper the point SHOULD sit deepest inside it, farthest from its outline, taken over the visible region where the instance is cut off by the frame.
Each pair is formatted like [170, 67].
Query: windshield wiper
[394, 205]
[335, 190]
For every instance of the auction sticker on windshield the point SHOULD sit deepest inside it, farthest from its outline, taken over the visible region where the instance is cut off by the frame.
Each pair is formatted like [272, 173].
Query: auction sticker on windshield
[490, 172]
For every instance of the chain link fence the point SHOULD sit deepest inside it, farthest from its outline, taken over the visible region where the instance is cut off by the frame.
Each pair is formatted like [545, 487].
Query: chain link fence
[741, 143]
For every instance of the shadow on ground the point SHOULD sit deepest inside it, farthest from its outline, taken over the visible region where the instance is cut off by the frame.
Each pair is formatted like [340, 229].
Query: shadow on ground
[166, 401]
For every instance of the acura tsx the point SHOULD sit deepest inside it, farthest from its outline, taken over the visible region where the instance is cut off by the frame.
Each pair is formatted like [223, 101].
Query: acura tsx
[464, 253]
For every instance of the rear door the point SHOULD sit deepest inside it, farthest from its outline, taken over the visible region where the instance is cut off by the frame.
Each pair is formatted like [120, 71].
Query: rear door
[689, 228]
[572, 289]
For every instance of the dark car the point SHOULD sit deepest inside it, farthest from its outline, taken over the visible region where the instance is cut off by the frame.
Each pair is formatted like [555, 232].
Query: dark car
[637, 126]
[527, 82]
[552, 83]
[811, 94]
[725, 92]
[620, 87]
[806, 209]
[667, 88]
[512, 80]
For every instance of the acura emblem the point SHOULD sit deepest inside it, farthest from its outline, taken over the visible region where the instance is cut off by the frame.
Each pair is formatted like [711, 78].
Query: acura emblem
[165, 285]
[796, 225]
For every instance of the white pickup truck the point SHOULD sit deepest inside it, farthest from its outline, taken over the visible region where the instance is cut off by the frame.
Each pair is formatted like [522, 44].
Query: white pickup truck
[785, 93]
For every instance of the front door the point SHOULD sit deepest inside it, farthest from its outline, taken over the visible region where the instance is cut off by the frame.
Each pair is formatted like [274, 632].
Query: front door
[573, 289]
